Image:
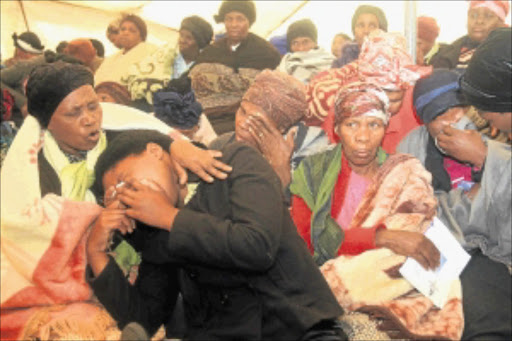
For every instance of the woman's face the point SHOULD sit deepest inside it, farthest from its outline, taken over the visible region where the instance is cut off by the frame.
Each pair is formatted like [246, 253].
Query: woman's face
[187, 43]
[302, 44]
[450, 116]
[151, 167]
[129, 35]
[498, 120]
[237, 26]
[481, 21]
[396, 99]
[76, 123]
[365, 23]
[246, 110]
[361, 138]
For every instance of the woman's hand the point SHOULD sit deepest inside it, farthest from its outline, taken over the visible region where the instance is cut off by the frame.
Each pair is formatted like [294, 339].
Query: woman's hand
[148, 204]
[274, 147]
[410, 244]
[113, 217]
[463, 145]
[201, 162]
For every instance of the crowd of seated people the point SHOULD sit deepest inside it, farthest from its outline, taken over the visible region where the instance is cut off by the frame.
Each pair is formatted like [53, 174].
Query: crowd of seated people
[230, 187]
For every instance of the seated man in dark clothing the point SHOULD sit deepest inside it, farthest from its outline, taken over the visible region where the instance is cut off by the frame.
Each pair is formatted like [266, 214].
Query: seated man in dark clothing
[241, 267]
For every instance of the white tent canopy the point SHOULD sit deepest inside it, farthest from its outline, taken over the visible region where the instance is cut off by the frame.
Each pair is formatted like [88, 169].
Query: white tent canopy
[55, 21]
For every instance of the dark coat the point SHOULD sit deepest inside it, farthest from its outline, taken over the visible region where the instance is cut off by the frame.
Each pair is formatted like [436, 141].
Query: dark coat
[247, 274]
[448, 55]
[254, 52]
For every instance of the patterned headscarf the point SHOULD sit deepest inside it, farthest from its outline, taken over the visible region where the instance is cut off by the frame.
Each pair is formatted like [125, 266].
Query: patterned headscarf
[361, 99]
[384, 61]
[281, 96]
[500, 8]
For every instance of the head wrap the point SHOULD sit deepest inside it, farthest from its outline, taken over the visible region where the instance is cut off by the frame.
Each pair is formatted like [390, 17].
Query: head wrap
[81, 49]
[488, 78]
[200, 29]
[381, 17]
[437, 93]
[281, 96]
[500, 8]
[428, 29]
[176, 104]
[28, 42]
[49, 84]
[384, 61]
[98, 46]
[117, 91]
[246, 7]
[361, 99]
[301, 28]
[137, 21]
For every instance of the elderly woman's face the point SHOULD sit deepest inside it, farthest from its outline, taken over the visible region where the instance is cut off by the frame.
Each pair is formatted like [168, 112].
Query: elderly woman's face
[481, 21]
[245, 111]
[187, 43]
[76, 123]
[361, 138]
[129, 35]
[237, 26]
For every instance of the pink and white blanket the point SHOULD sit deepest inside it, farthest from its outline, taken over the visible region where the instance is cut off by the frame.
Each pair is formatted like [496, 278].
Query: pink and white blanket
[43, 292]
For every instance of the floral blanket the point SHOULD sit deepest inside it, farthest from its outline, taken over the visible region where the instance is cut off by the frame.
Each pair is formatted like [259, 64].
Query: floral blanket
[403, 198]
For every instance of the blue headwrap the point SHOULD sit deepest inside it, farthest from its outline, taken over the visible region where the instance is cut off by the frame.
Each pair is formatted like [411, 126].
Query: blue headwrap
[179, 109]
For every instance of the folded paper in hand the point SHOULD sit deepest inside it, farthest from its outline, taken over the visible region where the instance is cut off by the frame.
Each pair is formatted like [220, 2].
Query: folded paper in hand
[436, 284]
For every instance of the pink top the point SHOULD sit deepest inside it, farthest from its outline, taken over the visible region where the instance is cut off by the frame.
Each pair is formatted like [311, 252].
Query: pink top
[357, 185]
[457, 171]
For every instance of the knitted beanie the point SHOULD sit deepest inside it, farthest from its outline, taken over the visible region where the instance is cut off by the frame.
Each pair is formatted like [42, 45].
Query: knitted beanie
[246, 7]
[200, 29]
[301, 28]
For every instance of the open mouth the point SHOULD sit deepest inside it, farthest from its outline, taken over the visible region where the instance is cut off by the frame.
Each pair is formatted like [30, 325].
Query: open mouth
[94, 135]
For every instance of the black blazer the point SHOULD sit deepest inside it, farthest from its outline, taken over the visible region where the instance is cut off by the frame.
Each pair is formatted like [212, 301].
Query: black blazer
[246, 272]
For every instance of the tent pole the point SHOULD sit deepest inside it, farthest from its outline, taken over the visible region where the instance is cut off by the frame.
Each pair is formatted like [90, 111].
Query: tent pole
[20, 2]
[410, 26]
[303, 3]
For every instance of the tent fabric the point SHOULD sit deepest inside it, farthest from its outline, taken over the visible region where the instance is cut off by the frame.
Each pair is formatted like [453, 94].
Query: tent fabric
[61, 20]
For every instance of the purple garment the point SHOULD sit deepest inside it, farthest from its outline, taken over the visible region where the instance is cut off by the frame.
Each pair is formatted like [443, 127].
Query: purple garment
[280, 43]
[349, 53]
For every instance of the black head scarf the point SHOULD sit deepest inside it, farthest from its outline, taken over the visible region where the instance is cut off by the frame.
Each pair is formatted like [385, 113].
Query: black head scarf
[487, 82]
[49, 84]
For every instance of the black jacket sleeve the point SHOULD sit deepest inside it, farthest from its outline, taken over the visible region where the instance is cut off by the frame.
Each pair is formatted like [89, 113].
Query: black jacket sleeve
[248, 235]
[149, 302]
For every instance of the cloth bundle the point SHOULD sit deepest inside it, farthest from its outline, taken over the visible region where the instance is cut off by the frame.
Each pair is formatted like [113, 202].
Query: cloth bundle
[219, 88]
[305, 65]
[151, 74]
